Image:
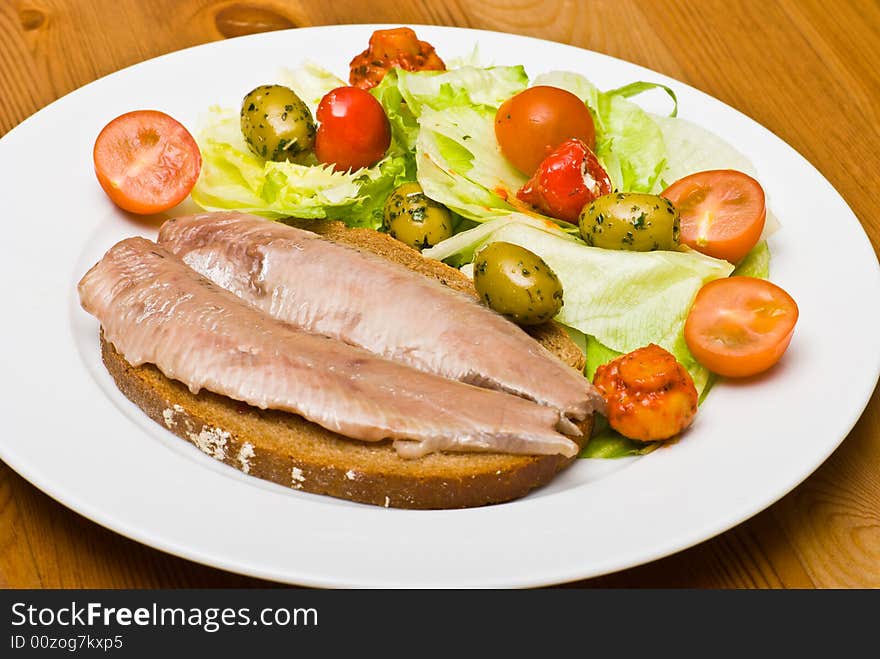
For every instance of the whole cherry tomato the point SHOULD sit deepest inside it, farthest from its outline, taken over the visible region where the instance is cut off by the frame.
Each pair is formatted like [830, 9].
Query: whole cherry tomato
[566, 181]
[531, 124]
[353, 132]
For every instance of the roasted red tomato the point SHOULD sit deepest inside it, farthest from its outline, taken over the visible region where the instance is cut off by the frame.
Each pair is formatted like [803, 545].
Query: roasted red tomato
[353, 132]
[399, 47]
[146, 161]
[566, 181]
[650, 396]
[531, 124]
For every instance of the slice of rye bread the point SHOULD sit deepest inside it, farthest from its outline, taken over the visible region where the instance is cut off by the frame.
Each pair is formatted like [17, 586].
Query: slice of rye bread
[289, 450]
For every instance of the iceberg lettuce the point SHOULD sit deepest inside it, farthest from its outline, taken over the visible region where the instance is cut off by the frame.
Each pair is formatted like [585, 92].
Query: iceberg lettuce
[691, 148]
[606, 442]
[404, 126]
[444, 117]
[233, 178]
[756, 263]
[460, 164]
[406, 94]
[469, 85]
[311, 82]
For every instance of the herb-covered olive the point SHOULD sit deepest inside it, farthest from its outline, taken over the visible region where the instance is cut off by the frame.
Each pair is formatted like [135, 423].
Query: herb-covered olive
[517, 283]
[276, 124]
[630, 220]
[414, 219]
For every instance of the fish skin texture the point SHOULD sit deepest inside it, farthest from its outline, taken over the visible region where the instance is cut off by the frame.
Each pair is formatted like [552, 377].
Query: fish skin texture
[155, 309]
[363, 299]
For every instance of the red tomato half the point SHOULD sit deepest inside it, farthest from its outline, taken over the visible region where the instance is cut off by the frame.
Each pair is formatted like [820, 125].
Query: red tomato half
[531, 124]
[740, 326]
[566, 181]
[146, 161]
[354, 131]
[722, 212]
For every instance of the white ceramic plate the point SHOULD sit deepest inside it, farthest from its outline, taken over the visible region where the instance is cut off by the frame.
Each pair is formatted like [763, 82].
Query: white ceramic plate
[68, 430]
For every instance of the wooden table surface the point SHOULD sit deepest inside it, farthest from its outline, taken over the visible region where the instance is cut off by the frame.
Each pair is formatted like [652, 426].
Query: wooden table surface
[806, 69]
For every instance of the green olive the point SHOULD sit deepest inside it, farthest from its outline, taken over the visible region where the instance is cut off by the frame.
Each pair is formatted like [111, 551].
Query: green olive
[630, 220]
[276, 124]
[517, 283]
[414, 219]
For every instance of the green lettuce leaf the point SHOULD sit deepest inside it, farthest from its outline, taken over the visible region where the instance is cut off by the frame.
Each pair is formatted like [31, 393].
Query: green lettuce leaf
[631, 145]
[414, 100]
[691, 148]
[636, 88]
[404, 126]
[458, 159]
[460, 248]
[756, 263]
[461, 165]
[597, 354]
[233, 178]
[468, 85]
[608, 443]
[311, 83]
[405, 94]
[473, 58]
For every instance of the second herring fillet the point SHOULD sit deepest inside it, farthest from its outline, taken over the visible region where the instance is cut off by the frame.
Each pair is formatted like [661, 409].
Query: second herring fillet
[155, 309]
[363, 299]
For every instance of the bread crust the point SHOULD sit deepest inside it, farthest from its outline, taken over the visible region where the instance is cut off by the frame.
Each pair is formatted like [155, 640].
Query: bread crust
[291, 451]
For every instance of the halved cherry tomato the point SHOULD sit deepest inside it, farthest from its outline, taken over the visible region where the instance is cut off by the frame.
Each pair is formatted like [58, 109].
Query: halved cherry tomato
[566, 181]
[531, 124]
[146, 161]
[740, 326]
[398, 47]
[722, 212]
[354, 131]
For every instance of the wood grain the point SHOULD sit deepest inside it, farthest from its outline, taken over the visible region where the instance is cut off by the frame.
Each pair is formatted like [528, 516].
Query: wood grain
[806, 71]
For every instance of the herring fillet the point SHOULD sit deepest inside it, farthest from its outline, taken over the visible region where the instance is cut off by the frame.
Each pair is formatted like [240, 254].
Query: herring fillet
[155, 309]
[363, 299]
